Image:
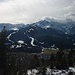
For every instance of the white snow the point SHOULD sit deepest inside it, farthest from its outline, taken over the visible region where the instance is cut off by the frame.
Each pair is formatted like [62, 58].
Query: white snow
[53, 46]
[19, 46]
[32, 72]
[32, 41]
[29, 72]
[12, 46]
[52, 71]
[41, 42]
[48, 26]
[14, 29]
[31, 30]
[20, 42]
[10, 36]
[72, 69]
[16, 46]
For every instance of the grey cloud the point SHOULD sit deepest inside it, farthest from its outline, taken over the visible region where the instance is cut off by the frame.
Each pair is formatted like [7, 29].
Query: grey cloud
[72, 14]
[28, 11]
[2, 1]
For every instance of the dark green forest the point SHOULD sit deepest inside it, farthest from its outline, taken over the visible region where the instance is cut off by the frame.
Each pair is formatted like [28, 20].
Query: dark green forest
[13, 62]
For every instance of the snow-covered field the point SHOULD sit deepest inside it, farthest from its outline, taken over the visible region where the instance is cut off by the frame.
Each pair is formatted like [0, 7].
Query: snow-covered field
[51, 71]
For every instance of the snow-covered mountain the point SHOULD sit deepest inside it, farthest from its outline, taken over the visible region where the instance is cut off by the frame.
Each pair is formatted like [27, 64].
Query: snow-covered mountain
[11, 26]
[44, 33]
[65, 26]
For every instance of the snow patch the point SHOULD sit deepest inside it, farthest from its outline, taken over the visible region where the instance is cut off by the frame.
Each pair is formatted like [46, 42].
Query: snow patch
[14, 29]
[31, 30]
[72, 69]
[41, 42]
[19, 46]
[12, 46]
[10, 36]
[32, 41]
[20, 42]
[46, 27]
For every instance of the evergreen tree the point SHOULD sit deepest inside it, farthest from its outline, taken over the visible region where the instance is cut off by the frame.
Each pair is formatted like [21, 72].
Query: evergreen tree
[70, 58]
[52, 60]
[59, 57]
[44, 71]
[36, 61]
[3, 36]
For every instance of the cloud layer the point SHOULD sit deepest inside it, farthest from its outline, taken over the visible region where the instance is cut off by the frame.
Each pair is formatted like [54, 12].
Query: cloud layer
[28, 11]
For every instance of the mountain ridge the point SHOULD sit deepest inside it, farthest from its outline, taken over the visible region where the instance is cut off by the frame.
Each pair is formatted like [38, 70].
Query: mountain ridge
[43, 34]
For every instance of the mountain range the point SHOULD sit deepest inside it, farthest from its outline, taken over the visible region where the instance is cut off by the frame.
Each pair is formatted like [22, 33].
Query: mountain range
[42, 34]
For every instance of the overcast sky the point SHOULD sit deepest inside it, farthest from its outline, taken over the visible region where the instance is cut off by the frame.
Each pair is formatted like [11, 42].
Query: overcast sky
[28, 11]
